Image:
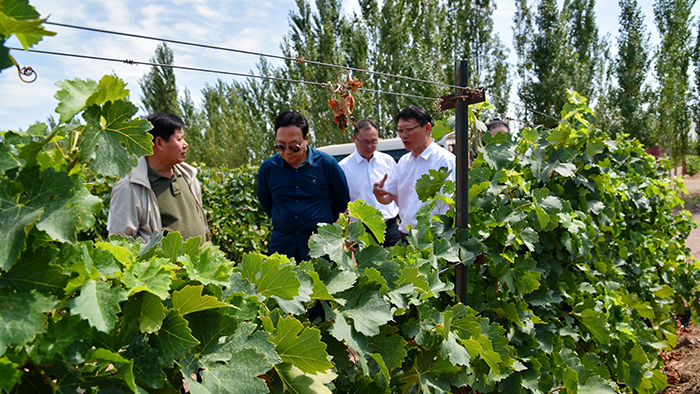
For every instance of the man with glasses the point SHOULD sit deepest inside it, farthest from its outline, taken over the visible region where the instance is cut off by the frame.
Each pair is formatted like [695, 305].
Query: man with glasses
[367, 166]
[299, 187]
[414, 127]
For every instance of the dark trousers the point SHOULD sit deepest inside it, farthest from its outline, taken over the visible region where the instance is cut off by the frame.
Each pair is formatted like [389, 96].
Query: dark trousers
[392, 234]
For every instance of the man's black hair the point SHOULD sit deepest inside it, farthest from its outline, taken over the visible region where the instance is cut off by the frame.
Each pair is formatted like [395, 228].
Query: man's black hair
[496, 122]
[164, 125]
[364, 124]
[418, 114]
[292, 118]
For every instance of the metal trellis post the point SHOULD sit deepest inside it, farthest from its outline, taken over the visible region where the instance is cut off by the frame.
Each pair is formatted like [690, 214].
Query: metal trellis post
[462, 176]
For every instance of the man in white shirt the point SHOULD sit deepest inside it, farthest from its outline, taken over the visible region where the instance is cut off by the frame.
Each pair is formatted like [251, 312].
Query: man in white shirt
[414, 127]
[364, 168]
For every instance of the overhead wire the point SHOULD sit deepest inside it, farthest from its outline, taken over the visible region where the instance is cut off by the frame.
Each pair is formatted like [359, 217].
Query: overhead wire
[261, 54]
[135, 62]
[297, 59]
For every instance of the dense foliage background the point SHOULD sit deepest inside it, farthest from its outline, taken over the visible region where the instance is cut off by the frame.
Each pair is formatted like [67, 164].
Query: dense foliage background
[585, 266]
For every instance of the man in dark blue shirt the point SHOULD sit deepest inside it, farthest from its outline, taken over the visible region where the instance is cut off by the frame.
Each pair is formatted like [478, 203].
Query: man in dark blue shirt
[299, 187]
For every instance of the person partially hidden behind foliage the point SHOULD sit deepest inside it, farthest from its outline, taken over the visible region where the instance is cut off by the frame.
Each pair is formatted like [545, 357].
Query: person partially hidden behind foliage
[495, 126]
[366, 166]
[162, 191]
[299, 187]
[414, 127]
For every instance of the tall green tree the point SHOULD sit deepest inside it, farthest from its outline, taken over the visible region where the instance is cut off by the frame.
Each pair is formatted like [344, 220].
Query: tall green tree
[317, 36]
[158, 86]
[583, 51]
[541, 61]
[474, 40]
[631, 68]
[673, 20]
[225, 142]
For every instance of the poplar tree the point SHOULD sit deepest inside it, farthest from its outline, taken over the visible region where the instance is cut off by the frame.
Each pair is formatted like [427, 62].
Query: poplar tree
[541, 62]
[158, 86]
[631, 67]
[316, 36]
[673, 21]
[583, 51]
[470, 36]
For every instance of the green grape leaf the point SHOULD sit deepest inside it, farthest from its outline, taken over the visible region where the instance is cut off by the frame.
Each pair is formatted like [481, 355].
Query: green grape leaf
[595, 146]
[427, 374]
[28, 30]
[174, 339]
[153, 276]
[61, 338]
[122, 366]
[368, 311]
[109, 130]
[33, 271]
[146, 364]
[475, 190]
[207, 265]
[529, 237]
[10, 374]
[271, 277]
[211, 325]
[300, 346]
[373, 275]
[63, 207]
[529, 134]
[22, 317]
[110, 88]
[98, 303]
[235, 365]
[146, 309]
[414, 277]
[428, 185]
[343, 332]
[320, 291]
[369, 216]
[295, 306]
[15, 222]
[298, 382]
[597, 325]
[7, 159]
[72, 97]
[455, 352]
[522, 278]
[389, 345]
[480, 345]
[189, 299]
[565, 169]
[328, 240]
[597, 385]
[340, 281]
[171, 246]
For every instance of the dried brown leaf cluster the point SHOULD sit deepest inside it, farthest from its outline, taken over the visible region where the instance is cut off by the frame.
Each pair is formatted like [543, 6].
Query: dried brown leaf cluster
[342, 103]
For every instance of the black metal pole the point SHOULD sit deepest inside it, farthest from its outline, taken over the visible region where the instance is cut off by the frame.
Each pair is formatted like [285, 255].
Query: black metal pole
[462, 176]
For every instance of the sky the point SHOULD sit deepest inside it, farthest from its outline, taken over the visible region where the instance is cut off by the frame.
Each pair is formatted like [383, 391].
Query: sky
[256, 26]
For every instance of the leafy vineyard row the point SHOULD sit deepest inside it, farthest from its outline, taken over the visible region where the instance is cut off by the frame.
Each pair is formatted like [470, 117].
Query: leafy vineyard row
[585, 265]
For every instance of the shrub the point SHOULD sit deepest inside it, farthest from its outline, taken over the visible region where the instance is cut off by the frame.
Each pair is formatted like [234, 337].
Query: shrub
[692, 164]
[237, 222]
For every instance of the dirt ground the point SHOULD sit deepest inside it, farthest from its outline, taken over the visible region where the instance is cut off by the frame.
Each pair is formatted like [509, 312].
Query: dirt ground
[683, 363]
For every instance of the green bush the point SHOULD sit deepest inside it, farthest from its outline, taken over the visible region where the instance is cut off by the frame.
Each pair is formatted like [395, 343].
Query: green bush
[692, 164]
[585, 265]
[237, 222]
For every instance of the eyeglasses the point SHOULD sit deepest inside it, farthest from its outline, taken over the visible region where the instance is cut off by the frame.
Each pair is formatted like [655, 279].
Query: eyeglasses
[368, 143]
[282, 147]
[407, 130]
